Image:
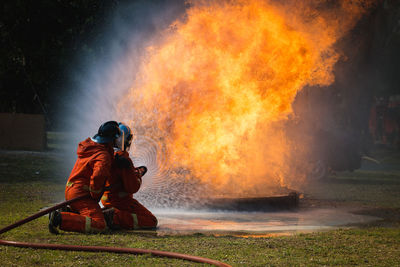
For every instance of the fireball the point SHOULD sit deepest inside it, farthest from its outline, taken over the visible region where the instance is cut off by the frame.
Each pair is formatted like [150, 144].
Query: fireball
[217, 87]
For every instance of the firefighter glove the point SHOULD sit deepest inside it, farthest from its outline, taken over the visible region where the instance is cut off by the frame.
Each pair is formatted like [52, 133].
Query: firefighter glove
[122, 162]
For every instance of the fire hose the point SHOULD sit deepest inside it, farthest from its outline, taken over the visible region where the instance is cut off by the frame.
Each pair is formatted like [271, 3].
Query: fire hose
[135, 251]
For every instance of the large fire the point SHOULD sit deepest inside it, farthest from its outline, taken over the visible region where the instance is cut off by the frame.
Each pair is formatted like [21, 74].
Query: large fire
[215, 89]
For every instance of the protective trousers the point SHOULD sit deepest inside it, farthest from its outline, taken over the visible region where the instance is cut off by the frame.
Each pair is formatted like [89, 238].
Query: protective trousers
[88, 219]
[131, 215]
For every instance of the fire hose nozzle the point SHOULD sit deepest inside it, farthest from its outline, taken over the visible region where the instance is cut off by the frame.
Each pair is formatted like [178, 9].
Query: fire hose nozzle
[142, 170]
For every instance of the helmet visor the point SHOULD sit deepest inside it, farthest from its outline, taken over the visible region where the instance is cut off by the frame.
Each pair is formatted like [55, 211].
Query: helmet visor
[120, 142]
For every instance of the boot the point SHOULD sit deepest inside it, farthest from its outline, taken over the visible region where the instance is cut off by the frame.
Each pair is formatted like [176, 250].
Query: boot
[54, 221]
[66, 209]
[109, 217]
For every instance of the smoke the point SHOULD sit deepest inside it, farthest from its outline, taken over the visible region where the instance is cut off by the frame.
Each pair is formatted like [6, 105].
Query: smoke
[208, 89]
[102, 77]
[107, 73]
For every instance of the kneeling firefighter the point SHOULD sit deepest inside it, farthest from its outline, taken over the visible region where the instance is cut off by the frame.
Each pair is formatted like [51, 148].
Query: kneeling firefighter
[122, 210]
[87, 178]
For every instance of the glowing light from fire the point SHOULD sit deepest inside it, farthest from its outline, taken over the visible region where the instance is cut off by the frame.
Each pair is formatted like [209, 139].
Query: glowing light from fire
[217, 85]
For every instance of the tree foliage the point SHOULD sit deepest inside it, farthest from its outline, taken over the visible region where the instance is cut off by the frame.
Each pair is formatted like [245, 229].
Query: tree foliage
[38, 40]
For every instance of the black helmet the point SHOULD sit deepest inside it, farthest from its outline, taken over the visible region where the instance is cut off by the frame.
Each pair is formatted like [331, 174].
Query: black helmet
[108, 131]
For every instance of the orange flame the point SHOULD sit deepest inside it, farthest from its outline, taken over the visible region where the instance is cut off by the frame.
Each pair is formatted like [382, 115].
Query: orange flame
[217, 88]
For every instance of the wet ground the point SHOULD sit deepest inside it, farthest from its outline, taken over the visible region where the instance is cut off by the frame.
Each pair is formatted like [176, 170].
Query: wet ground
[256, 223]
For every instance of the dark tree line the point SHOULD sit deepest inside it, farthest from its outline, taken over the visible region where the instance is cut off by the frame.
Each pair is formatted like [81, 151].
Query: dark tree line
[38, 42]
[41, 40]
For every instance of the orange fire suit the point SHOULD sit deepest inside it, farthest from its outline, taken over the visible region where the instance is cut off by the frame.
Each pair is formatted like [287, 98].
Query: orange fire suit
[121, 185]
[88, 177]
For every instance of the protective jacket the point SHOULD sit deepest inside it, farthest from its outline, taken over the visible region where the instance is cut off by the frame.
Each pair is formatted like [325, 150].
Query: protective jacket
[124, 181]
[91, 169]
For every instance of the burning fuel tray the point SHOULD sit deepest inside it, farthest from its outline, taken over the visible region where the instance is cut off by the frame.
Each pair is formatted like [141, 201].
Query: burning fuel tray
[271, 203]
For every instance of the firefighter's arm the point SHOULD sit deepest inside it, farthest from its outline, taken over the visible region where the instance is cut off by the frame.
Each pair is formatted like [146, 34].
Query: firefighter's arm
[122, 160]
[101, 170]
[132, 180]
[131, 176]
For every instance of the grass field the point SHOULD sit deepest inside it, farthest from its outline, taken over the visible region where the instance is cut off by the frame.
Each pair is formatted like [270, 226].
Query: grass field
[32, 181]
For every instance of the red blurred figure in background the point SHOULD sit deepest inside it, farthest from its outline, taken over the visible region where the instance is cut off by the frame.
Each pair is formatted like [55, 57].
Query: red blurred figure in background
[384, 122]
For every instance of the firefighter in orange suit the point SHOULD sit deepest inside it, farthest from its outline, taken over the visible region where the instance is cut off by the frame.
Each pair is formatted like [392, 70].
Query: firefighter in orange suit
[123, 211]
[88, 177]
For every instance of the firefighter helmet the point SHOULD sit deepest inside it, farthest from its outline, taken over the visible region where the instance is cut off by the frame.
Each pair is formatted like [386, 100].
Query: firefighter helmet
[107, 133]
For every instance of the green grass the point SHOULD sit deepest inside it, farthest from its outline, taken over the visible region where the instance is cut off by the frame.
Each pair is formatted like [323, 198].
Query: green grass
[32, 181]
[378, 185]
[58, 140]
[372, 188]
